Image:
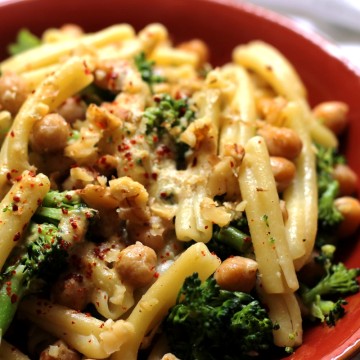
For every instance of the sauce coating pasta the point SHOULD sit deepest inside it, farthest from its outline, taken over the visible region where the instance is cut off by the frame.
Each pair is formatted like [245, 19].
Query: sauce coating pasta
[145, 165]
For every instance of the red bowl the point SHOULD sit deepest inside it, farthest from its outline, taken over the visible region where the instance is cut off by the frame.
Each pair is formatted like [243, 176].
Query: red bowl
[223, 25]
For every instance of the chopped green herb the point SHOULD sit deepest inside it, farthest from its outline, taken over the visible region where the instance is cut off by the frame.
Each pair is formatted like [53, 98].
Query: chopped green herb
[146, 70]
[265, 218]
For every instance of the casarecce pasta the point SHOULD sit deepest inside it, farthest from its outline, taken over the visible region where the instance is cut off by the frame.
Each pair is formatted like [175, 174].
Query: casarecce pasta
[164, 155]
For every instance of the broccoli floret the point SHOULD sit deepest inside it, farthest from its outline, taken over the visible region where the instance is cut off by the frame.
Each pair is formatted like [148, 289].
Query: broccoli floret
[210, 323]
[25, 40]
[328, 187]
[324, 300]
[43, 253]
[166, 120]
[146, 70]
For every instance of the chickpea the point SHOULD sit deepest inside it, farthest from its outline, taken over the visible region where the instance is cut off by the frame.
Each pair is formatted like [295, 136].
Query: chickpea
[146, 234]
[333, 114]
[347, 179]
[198, 47]
[72, 30]
[72, 109]
[13, 92]
[50, 134]
[350, 210]
[281, 141]
[237, 274]
[136, 265]
[63, 352]
[71, 291]
[284, 172]
[271, 109]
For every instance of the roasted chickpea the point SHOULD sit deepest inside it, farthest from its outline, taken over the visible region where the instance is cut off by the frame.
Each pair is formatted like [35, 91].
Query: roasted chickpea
[59, 351]
[50, 134]
[13, 92]
[198, 47]
[237, 274]
[333, 114]
[72, 109]
[136, 265]
[71, 291]
[284, 172]
[350, 210]
[347, 179]
[281, 141]
[72, 30]
[146, 234]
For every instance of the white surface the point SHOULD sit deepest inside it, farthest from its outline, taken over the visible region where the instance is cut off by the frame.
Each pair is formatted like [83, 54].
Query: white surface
[337, 20]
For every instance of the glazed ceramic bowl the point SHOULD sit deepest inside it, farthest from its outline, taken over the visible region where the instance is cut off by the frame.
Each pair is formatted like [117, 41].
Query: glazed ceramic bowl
[224, 24]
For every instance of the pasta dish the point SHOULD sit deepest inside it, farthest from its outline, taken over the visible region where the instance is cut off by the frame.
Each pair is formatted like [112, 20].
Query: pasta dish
[155, 207]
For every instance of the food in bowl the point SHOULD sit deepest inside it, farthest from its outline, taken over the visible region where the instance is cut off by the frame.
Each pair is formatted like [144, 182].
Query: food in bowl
[153, 203]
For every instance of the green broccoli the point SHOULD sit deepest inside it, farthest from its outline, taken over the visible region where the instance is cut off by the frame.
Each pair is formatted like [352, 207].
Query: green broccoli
[168, 118]
[210, 323]
[328, 187]
[327, 159]
[25, 40]
[57, 224]
[146, 70]
[324, 300]
[228, 241]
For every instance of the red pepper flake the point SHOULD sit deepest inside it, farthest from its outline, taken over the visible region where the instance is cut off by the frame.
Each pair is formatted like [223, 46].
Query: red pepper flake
[12, 134]
[64, 211]
[68, 197]
[123, 147]
[8, 288]
[102, 160]
[16, 198]
[155, 138]
[156, 275]
[146, 175]
[154, 176]
[203, 253]
[128, 155]
[17, 237]
[15, 207]
[206, 227]
[8, 176]
[133, 141]
[73, 223]
[14, 298]
[87, 70]
[163, 150]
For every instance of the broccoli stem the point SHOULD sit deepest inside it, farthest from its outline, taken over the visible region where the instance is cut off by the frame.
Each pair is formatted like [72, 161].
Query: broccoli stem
[329, 215]
[63, 199]
[235, 238]
[43, 253]
[10, 292]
